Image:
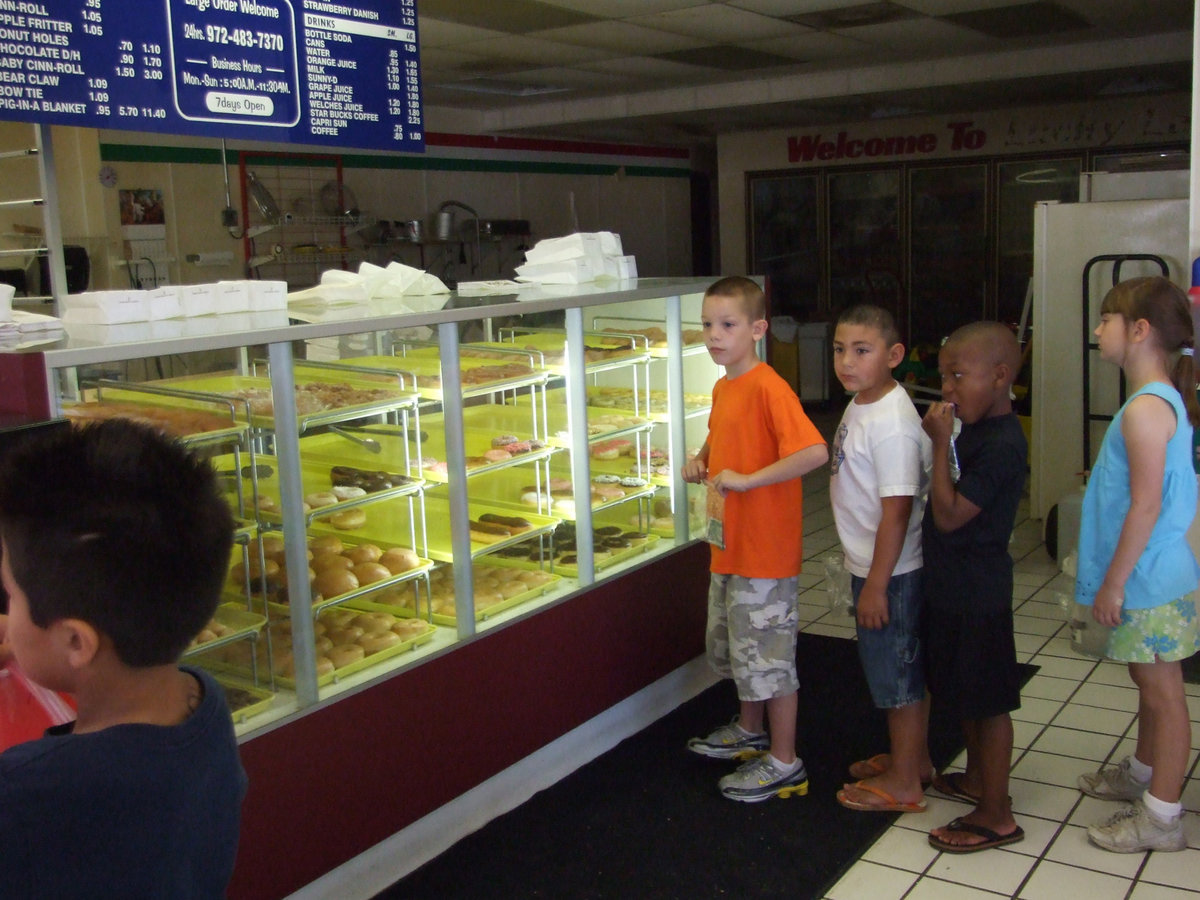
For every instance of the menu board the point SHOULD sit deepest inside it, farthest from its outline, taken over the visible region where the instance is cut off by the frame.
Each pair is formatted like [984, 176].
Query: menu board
[301, 71]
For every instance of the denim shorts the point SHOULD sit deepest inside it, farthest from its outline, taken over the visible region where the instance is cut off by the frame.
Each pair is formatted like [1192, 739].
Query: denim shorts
[751, 635]
[892, 656]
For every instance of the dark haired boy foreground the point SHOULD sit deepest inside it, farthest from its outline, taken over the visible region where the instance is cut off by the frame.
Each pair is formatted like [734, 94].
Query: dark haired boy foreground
[112, 563]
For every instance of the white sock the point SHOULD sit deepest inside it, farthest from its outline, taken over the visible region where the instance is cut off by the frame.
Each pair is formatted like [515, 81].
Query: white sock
[1139, 770]
[747, 733]
[786, 768]
[1160, 809]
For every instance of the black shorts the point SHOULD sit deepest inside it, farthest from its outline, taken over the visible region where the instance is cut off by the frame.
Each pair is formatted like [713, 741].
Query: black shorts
[971, 662]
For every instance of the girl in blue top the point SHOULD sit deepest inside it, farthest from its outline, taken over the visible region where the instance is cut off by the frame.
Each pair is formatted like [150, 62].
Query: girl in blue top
[1136, 570]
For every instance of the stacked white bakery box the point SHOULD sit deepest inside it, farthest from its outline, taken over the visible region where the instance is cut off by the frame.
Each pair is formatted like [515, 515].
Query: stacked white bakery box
[173, 302]
[577, 259]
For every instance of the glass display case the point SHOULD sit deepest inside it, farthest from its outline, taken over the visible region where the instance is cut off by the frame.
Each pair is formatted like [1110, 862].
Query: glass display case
[392, 506]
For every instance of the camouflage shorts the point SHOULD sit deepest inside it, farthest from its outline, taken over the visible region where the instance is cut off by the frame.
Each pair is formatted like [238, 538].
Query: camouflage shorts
[752, 634]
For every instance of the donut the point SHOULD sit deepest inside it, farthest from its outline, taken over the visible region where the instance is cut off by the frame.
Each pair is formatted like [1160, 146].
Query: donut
[378, 641]
[632, 481]
[346, 655]
[663, 523]
[515, 524]
[324, 665]
[254, 570]
[324, 645]
[503, 440]
[321, 498]
[363, 553]
[347, 635]
[272, 546]
[330, 542]
[371, 572]
[409, 627]
[607, 479]
[636, 538]
[518, 447]
[559, 484]
[399, 559]
[348, 519]
[497, 455]
[327, 561]
[566, 506]
[608, 492]
[604, 531]
[531, 498]
[334, 582]
[373, 622]
[347, 492]
[605, 451]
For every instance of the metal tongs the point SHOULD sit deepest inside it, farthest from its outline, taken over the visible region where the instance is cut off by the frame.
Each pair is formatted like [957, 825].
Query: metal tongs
[369, 444]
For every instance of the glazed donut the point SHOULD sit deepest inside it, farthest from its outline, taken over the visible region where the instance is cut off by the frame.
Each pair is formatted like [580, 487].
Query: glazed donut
[663, 523]
[326, 542]
[272, 546]
[321, 498]
[347, 492]
[510, 589]
[399, 559]
[374, 622]
[324, 645]
[327, 561]
[371, 572]
[531, 498]
[406, 628]
[334, 582]
[609, 492]
[324, 665]
[565, 506]
[348, 519]
[378, 641]
[363, 553]
[345, 655]
[604, 452]
[347, 635]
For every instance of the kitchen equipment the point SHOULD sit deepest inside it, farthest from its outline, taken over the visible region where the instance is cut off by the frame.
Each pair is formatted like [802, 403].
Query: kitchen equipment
[443, 224]
[414, 231]
[339, 200]
[264, 202]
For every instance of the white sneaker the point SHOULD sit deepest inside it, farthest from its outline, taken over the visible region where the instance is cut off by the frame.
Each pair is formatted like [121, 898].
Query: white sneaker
[760, 779]
[1114, 783]
[1133, 829]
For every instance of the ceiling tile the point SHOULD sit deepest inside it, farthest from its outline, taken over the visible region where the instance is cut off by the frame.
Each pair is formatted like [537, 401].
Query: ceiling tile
[715, 22]
[816, 46]
[1023, 21]
[433, 33]
[842, 18]
[624, 37]
[533, 50]
[783, 8]
[727, 58]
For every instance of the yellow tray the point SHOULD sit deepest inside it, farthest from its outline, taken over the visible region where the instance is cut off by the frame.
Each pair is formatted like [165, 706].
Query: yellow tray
[141, 406]
[244, 699]
[241, 624]
[385, 523]
[506, 487]
[372, 659]
[481, 615]
[602, 351]
[314, 478]
[621, 400]
[603, 423]
[603, 560]
[228, 386]
[425, 364]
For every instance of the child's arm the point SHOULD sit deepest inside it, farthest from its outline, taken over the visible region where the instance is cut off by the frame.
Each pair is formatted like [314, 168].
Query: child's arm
[792, 466]
[951, 510]
[695, 470]
[872, 604]
[1147, 425]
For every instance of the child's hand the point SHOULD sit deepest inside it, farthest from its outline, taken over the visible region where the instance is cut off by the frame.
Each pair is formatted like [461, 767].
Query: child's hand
[728, 480]
[939, 421]
[872, 607]
[1106, 607]
[695, 470]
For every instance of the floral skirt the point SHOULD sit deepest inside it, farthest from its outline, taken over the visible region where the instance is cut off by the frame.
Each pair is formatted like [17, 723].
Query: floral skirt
[1168, 633]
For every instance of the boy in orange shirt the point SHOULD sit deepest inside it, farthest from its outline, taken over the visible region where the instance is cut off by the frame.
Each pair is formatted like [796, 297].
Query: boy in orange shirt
[759, 445]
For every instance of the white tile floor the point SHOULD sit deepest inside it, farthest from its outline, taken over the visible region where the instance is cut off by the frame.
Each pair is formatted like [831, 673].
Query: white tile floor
[1076, 713]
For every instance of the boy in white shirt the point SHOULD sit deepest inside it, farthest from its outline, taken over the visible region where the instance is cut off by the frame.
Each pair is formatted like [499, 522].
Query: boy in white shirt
[879, 482]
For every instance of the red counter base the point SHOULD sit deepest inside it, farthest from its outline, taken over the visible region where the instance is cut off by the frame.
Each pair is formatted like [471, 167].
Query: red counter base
[334, 783]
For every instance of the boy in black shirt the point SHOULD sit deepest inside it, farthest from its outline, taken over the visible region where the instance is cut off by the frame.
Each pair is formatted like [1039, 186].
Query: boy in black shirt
[975, 487]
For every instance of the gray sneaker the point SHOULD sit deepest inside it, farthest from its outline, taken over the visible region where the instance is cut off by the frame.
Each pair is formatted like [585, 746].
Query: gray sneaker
[730, 742]
[1114, 783]
[1133, 829]
[760, 779]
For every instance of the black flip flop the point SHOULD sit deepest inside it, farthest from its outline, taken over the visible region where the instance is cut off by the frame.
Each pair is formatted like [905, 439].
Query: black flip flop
[950, 784]
[990, 838]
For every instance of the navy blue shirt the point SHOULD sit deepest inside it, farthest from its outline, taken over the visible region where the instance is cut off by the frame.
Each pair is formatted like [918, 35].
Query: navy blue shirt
[970, 569]
[127, 812]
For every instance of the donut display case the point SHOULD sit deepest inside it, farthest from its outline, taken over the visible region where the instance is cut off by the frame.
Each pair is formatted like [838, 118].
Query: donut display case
[504, 591]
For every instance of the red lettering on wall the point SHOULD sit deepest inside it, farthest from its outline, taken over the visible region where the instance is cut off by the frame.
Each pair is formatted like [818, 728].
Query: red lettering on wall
[808, 147]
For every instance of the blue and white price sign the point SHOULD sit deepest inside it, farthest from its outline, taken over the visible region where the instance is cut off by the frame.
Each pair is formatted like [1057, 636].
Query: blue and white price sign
[301, 71]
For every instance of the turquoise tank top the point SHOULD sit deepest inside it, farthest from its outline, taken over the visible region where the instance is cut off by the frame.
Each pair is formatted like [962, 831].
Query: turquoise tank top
[1166, 570]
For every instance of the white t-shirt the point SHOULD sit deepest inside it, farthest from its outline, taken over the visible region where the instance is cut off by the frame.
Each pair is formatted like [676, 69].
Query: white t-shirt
[880, 451]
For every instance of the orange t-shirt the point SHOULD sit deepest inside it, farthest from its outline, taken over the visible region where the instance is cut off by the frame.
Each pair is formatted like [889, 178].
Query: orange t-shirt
[757, 419]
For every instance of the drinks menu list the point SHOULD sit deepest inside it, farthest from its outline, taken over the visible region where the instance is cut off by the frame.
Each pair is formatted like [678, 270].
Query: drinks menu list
[302, 71]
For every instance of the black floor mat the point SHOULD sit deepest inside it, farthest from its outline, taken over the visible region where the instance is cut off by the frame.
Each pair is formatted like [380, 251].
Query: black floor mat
[645, 820]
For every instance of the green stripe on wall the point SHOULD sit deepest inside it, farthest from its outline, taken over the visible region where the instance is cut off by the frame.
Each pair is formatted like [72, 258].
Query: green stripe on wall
[207, 156]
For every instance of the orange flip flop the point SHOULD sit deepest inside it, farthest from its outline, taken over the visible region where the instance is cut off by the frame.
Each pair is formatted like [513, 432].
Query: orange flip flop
[874, 766]
[889, 804]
